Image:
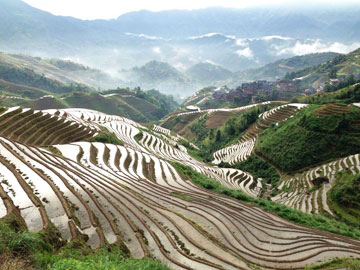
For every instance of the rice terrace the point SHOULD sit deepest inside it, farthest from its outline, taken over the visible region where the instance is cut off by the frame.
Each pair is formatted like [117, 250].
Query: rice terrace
[137, 194]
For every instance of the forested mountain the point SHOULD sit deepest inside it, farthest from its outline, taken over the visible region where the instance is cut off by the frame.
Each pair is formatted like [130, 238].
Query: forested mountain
[207, 73]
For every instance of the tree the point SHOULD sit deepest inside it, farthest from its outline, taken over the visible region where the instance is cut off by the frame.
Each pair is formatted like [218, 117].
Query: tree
[218, 136]
[332, 73]
[274, 95]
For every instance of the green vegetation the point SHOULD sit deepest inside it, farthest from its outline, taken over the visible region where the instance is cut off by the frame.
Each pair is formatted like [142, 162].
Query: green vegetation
[285, 67]
[344, 197]
[315, 135]
[138, 137]
[298, 217]
[15, 241]
[137, 105]
[346, 95]
[106, 137]
[211, 140]
[104, 259]
[258, 168]
[28, 77]
[344, 67]
[66, 65]
[23, 250]
[163, 104]
[339, 263]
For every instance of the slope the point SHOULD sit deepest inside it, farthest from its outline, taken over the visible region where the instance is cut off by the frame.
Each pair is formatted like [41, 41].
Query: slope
[136, 104]
[62, 71]
[133, 196]
[281, 67]
[315, 135]
[341, 67]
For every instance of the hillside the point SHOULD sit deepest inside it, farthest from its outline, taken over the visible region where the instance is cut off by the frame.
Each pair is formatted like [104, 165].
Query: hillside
[28, 68]
[212, 129]
[142, 106]
[155, 71]
[280, 68]
[207, 73]
[341, 67]
[29, 78]
[346, 95]
[162, 76]
[330, 131]
[302, 153]
[137, 105]
[137, 199]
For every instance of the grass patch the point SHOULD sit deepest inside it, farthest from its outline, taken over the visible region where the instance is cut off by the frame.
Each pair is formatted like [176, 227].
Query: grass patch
[138, 137]
[105, 258]
[106, 137]
[339, 263]
[184, 196]
[20, 249]
[298, 217]
[16, 241]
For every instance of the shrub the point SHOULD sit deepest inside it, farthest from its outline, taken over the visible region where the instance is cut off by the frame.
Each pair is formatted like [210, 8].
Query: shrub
[106, 137]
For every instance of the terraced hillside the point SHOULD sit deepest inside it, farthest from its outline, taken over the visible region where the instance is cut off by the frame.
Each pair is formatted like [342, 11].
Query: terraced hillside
[333, 132]
[180, 122]
[41, 127]
[342, 67]
[308, 191]
[142, 106]
[243, 149]
[132, 194]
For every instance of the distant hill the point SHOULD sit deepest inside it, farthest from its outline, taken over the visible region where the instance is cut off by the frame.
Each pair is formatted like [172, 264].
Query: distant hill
[63, 71]
[341, 67]
[235, 39]
[137, 105]
[156, 71]
[278, 69]
[207, 73]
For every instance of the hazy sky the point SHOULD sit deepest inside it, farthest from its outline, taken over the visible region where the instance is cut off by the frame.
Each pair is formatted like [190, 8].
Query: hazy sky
[106, 9]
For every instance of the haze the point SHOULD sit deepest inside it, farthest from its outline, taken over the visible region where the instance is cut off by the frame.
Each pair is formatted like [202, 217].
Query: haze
[108, 9]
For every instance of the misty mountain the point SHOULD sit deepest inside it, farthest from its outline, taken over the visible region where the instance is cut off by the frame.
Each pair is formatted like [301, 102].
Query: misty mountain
[280, 68]
[61, 71]
[234, 39]
[207, 73]
[157, 72]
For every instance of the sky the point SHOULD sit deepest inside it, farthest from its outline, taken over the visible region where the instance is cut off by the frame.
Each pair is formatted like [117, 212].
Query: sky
[108, 9]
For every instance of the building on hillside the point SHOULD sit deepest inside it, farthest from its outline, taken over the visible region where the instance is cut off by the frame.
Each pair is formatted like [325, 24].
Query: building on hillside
[255, 99]
[286, 86]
